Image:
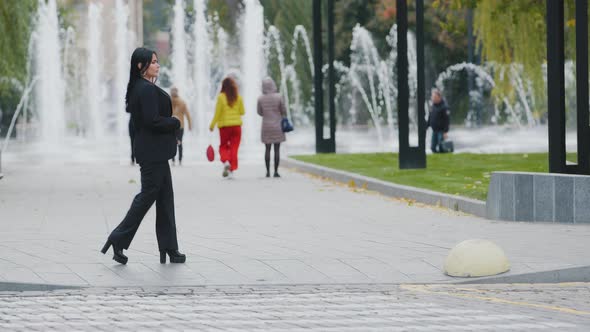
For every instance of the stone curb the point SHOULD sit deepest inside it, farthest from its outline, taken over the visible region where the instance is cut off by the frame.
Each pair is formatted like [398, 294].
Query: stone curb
[453, 202]
[574, 274]
[26, 287]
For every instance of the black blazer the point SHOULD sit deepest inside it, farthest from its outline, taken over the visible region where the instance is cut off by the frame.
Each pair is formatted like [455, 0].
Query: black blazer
[151, 111]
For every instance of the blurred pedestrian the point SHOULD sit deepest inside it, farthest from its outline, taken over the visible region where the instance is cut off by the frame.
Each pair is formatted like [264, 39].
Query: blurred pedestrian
[272, 109]
[180, 111]
[438, 120]
[228, 118]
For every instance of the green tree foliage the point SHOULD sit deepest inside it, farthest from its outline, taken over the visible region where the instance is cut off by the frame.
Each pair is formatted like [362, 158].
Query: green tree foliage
[515, 32]
[286, 14]
[228, 12]
[15, 26]
[156, 17]
[349, 13]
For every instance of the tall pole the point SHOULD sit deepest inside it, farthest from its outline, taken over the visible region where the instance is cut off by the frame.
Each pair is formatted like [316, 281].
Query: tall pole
[582, 86]
[324, 145]
[403, 93]
[331, 144]
[318, 75]
[556, 86]
[410, 157]
[420, 153]
[471, 59]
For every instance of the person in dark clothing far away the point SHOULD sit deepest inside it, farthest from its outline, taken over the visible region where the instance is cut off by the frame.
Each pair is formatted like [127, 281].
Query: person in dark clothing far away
[438, 120]
[271, 108]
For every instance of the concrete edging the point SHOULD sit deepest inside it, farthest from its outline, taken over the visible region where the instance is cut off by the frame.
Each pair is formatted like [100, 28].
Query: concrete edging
[453, 202]
[573, 274]
[539, 197]
[26, 287]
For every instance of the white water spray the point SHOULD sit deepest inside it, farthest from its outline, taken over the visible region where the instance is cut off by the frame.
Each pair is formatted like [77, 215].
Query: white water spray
[48, 66]
[253, 70]
[202, 104]
[122, 44]
[179, 55]
[95, 86]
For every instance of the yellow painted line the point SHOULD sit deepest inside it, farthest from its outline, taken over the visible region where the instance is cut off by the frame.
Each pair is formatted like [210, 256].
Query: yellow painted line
[426, 290]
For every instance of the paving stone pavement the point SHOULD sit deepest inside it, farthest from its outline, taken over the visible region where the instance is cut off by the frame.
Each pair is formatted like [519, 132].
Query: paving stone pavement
[285, 308]
[55, 216]
[264, 254]
[571, 297]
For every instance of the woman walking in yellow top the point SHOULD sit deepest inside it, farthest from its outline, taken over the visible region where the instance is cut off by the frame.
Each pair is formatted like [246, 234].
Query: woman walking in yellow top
[228, 118]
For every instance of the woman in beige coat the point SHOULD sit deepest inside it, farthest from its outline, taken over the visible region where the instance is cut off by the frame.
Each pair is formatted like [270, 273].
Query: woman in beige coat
[272, 109]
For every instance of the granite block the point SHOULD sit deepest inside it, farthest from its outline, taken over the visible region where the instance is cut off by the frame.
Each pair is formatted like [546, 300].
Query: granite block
[564, 199]
[543, 201]
[524, 198]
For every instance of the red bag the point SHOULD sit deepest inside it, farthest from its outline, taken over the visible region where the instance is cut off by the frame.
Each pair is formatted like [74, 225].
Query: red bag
[210, 153]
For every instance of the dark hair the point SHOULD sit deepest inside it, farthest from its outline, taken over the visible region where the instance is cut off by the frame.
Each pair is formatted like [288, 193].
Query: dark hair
[142, 56]
[230, 88]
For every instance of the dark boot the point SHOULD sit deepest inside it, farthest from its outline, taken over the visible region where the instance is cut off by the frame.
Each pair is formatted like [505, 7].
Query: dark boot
[175, 256]
[118, 255]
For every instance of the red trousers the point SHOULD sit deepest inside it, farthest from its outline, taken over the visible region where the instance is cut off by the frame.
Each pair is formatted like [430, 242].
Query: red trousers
[229, 143]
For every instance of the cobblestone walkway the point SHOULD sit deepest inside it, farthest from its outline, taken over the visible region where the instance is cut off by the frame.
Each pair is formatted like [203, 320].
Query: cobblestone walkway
[278, 308]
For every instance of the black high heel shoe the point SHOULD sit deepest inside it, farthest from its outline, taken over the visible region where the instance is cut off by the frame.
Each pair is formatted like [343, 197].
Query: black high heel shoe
[175, 256]
[117, 253]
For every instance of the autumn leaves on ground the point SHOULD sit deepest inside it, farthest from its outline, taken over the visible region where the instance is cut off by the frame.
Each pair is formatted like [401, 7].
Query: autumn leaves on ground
[463, 174]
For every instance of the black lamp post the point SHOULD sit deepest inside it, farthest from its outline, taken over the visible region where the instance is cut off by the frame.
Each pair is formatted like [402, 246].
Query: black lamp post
[409, 156]
[556, 88]
[324, 145]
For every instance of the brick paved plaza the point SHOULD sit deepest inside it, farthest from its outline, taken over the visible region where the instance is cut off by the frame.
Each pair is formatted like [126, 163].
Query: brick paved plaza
[288, 308]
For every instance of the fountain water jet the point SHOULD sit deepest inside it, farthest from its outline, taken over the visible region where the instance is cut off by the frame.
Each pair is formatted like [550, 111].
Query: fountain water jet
[48, 66]
[202, 104]
[179, 54]
[95, 84]
[122, 43]
[252, 68]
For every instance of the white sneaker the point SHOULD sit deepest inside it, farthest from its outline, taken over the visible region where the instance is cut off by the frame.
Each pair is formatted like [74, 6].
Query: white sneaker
[226, 170]
[230, 176]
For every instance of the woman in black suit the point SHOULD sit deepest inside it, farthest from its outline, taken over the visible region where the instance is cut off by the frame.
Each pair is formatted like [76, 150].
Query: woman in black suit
[154, 144]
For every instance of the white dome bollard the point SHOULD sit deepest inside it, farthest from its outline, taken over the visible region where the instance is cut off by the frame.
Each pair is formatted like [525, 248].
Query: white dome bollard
[476, 258]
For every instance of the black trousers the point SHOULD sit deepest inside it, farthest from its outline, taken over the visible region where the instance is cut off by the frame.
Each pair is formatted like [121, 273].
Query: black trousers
[156, 186]
[179, 135]
[435, 143]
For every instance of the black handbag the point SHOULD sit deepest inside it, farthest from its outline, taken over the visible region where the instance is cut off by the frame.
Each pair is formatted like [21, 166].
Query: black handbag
[286, 126]
[447, 146]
